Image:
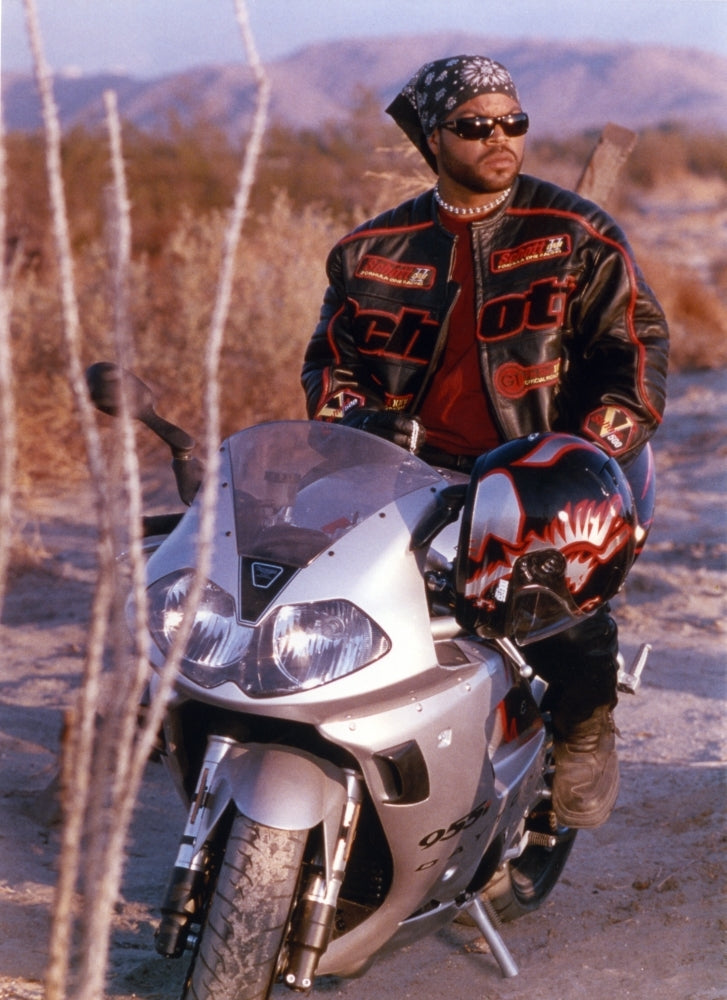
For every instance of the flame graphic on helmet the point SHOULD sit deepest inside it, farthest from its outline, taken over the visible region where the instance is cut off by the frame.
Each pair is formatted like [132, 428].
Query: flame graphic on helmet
[588, 534]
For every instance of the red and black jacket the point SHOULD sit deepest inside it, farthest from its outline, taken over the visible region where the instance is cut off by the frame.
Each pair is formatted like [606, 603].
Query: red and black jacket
[570, 336]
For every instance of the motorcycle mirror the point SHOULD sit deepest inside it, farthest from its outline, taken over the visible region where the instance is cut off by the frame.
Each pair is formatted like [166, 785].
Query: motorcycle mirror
[104, 381]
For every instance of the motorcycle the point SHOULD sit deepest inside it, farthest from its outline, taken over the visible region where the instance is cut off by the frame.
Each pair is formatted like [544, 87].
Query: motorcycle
[354, 728]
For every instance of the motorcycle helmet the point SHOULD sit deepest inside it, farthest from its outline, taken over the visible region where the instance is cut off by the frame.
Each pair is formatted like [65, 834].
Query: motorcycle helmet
[547, 536]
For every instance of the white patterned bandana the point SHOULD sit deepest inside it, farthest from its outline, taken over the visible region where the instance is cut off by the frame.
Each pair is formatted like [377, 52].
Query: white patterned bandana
[440, 87]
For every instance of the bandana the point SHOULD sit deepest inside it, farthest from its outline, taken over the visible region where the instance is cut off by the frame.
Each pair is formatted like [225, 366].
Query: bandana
[439, 87]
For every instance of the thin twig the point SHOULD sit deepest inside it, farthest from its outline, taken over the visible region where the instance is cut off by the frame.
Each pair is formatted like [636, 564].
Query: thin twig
[78, 748]
[219, 318]
[104, 756]
[7, 402]
[113, 794]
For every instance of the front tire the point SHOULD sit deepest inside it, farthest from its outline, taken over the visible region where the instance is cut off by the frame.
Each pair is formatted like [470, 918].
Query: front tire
[241, 939]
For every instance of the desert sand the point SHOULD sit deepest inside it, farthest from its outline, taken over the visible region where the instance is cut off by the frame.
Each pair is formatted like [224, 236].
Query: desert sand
[640, 911]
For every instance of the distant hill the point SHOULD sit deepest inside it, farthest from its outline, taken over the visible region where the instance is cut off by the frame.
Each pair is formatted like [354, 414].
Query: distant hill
[566, 87]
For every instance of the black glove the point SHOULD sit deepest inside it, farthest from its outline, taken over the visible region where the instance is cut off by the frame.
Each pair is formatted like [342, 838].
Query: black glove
[407, 432]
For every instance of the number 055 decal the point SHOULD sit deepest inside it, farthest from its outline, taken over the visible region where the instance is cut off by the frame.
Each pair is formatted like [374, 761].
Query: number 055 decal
[437, 836]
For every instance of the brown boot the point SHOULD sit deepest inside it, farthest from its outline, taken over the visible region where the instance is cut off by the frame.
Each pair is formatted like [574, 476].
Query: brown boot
[586, 779]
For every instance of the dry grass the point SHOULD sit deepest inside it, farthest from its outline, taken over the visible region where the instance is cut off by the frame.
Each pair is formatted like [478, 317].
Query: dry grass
[276, 296]
[275, 300]
[697, 314]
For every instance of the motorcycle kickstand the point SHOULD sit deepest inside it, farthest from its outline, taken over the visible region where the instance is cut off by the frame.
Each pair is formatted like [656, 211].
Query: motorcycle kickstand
[485, 924]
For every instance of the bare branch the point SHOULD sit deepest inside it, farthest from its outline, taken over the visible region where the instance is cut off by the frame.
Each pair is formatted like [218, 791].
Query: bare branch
[212, 405]
[7, 402]
[104, 751]
[80, 735]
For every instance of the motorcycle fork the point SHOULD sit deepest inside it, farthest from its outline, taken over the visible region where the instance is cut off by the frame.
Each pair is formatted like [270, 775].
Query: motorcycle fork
[314, 915]
[185, 891]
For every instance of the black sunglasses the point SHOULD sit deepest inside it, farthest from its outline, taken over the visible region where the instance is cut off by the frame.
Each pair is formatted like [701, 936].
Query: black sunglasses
[482, 128]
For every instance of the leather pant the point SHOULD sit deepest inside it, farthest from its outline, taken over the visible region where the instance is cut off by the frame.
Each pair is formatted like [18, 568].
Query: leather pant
[580, 666]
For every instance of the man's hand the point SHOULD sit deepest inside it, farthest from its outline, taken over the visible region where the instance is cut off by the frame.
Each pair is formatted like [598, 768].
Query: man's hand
[407, 432]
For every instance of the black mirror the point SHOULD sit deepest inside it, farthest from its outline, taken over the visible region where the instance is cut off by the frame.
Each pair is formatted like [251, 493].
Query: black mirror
[104, 381]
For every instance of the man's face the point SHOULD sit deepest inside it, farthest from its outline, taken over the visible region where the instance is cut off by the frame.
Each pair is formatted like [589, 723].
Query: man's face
[482, 166]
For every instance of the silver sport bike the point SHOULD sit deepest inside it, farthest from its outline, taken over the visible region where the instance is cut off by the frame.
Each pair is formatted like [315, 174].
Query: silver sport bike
[354, 728]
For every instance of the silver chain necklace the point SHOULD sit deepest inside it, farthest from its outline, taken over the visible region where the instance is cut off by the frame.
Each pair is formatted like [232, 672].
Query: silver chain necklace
[479, 210]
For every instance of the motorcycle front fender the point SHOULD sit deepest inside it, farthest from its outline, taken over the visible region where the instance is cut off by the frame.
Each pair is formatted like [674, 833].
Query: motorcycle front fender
[276, 786]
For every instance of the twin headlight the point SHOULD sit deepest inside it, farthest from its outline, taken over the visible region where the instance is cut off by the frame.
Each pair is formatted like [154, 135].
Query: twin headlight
[295, 647]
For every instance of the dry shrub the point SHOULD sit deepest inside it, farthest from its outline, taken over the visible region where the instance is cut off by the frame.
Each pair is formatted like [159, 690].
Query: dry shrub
[49, 440]
[279, 284]
[695, 311]
[276, 296]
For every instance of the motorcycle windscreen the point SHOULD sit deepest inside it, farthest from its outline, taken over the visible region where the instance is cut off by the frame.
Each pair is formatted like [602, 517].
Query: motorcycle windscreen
[299, 486]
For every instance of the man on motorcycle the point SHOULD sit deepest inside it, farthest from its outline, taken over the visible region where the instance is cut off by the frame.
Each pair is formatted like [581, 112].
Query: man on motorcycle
[492, 306]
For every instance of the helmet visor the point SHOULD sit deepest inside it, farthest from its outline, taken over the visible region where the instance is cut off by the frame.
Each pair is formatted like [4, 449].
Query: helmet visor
[539, 601]
[536, 613]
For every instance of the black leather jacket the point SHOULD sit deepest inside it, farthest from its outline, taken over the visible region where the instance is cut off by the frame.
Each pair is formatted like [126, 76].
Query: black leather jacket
[571, 338]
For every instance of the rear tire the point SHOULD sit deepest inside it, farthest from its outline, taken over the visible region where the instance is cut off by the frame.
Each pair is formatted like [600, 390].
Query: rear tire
[522, 885]
[237, 955]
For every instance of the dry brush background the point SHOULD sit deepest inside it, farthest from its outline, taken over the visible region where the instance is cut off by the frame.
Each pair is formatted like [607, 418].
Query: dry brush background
[671, 200]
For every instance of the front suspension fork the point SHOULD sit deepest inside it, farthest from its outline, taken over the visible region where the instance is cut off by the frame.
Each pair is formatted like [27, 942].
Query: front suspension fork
[314, 916]
[315, 913]
[184, 893]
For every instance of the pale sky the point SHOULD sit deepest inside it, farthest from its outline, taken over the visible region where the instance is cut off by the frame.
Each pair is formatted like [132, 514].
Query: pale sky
[149, 38]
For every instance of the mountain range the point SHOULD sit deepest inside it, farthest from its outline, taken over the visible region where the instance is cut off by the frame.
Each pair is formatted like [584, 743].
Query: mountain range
[566, 87]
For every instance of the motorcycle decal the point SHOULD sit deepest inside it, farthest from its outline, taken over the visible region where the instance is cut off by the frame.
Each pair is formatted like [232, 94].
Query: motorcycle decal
[613, 427]
[588, 534]
[437, 836]
[264, 575]
[395, 272]
[409, 335]
[260, 583]
[541, 249]
[513, 380]
[517, 718]
[541, 307]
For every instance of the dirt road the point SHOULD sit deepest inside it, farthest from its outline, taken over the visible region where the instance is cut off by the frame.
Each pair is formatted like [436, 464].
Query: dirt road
[641, 911]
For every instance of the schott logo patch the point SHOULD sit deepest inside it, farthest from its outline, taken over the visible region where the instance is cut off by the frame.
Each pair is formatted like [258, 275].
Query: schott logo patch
[526, 253]
[264, 575]
[393, 272]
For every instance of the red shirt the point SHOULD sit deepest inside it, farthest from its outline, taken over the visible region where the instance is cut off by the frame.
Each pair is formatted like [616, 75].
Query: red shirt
[455, 411]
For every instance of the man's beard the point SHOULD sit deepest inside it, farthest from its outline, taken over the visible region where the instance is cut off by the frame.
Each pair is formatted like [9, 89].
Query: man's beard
[477, 177]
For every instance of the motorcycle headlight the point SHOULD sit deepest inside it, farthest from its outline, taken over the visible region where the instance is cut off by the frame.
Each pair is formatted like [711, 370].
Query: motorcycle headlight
[304, 645]
[296, 647]
[216, 641]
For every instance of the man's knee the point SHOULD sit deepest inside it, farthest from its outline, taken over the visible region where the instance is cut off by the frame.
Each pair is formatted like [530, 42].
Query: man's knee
[580, 666]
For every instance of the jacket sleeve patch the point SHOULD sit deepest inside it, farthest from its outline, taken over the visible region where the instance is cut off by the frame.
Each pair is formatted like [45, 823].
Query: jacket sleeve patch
[613, 427]
[398, 403]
